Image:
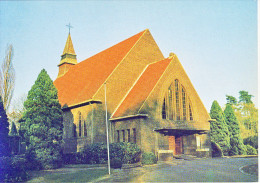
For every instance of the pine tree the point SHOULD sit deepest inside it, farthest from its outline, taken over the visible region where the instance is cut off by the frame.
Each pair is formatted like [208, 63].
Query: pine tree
[236, 141]
[4, 129]
[219, 129]
[41, 124]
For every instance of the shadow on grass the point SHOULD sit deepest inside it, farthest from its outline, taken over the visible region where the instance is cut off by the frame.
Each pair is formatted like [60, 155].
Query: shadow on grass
[69, 175]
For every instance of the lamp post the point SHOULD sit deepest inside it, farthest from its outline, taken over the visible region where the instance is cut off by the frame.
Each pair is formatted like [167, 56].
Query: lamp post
[108, 157]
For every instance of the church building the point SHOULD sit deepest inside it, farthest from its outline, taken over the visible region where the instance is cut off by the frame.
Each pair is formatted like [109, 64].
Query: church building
[150, 100]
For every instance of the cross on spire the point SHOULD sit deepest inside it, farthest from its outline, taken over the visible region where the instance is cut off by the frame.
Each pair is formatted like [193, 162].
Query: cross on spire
[69, 26]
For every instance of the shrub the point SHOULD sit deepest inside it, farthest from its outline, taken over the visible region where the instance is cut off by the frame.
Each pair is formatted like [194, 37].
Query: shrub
[148, 158]
[252, 141]
[216, 150]
[250, 150]
[97, 153]
[116, 163]
[13, 169]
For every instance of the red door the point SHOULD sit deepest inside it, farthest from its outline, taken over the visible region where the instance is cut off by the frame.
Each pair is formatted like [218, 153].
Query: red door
[178, 145]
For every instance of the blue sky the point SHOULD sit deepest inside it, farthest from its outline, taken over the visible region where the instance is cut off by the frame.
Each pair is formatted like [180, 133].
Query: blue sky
[216, 41]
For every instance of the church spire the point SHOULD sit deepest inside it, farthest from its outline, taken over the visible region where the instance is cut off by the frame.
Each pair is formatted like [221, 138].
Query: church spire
[68, 57]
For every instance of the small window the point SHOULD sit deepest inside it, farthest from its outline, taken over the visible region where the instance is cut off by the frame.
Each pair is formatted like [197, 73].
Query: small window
[123, 131]
[128, 135]
[85, 130]
[118, 136]
[134, 134]
[79, 124]
[190, 111]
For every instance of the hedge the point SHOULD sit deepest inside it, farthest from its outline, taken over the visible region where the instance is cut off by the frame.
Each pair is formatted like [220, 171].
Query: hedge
[96, 153]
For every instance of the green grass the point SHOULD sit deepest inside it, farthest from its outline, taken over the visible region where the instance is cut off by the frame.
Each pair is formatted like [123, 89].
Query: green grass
[87, 175]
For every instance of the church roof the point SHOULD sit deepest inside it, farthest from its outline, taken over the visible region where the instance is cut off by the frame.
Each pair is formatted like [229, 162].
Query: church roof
[69, 46]
[83, 80]
[142, 88]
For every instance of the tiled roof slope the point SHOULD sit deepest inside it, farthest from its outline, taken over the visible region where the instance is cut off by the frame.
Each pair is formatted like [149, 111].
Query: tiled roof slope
[142, 88]
[83, 80]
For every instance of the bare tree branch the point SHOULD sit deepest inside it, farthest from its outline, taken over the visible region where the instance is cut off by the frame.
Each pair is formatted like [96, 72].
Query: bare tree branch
[7, 78]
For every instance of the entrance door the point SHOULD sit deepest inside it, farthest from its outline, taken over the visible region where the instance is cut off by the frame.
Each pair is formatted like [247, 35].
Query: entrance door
[178, 145]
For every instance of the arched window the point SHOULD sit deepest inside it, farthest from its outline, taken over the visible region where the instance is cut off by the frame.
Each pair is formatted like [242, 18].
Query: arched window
[184, 113]
[80, 124]
[74, 130]
[177, 98]
[164, 110]
[176, 103]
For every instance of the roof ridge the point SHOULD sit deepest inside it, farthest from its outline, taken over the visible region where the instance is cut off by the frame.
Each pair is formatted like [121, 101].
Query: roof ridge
[137, 80]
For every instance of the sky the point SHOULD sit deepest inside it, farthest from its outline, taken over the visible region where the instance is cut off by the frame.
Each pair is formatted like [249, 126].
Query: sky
[215, 40]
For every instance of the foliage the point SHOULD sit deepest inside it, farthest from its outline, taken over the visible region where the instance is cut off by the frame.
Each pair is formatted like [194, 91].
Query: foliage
[4, 129]
[216, 150]
[252, 141]
[245, 97]
[218, 129]
[7, 78]
[97, 153]
[148, 158]
[13, 131]
[116, 163]
[12, 169]
[236, 142]
[250, 150]
[246, 114]
[41, 124]
[231, 100]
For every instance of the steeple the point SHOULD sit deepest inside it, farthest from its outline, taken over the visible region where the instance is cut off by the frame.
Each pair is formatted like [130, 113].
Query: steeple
[68, 57]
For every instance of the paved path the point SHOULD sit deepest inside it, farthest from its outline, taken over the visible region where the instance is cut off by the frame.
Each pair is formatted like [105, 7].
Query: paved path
[199, 170]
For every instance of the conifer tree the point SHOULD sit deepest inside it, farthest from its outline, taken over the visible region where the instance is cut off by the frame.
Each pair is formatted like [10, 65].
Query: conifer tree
[218, 129]
[41, 124]
[236, 141]
[4, 129]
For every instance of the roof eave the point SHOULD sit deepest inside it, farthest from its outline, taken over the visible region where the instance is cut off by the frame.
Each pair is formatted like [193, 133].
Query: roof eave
[129, 117]
[87, 102]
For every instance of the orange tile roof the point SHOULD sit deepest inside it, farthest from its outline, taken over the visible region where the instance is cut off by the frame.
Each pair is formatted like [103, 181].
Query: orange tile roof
[142, 88]
[83, 80]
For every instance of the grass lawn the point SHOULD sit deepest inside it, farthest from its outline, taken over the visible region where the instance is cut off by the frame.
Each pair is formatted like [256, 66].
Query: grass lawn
[86, 175]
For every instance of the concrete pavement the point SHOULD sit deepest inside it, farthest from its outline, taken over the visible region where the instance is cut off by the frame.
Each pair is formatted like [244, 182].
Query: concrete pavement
[198, 170]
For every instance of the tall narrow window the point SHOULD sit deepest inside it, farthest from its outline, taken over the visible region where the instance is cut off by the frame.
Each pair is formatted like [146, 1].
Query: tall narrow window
[80, 124]
[164, 110]
[177, 97]
[170, 103]
[85, 129]
[74, 130]
[134, 134]
[190, 111]
[184, 113]
[118, 136]
[123, 131]
[128, 135]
